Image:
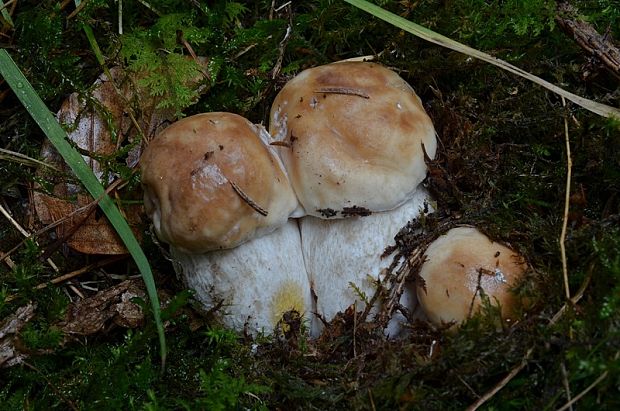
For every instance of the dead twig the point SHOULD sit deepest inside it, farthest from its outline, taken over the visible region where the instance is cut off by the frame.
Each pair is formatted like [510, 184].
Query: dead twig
[343, 90]
[575, 299]
[599, 46]
[248, 200]
[23, 232]
[489, 394]
[584, 392]
[566, 384]
[569, 165]
[76, 273]
[283, 43]
[52, 387]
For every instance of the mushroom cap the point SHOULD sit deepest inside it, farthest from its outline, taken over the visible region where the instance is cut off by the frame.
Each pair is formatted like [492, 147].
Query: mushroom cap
[458, 265]
[355, 132]
[209, 180]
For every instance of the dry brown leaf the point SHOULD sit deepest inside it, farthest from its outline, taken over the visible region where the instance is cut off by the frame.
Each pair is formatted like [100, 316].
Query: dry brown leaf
[113, 305]
[92, 126]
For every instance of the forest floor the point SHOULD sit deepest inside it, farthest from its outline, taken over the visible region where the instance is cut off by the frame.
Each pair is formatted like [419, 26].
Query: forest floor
[525, 166]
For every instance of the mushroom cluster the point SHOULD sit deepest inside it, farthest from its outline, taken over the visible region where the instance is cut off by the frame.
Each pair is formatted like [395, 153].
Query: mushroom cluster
[354, 138]
[261, 224]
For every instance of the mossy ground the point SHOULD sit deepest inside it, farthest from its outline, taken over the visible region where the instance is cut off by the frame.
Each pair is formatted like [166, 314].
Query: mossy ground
[501, 165]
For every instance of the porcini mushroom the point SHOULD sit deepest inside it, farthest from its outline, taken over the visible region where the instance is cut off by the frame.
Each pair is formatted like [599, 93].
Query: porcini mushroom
[221, 198]
[461, 267]
[352, 137]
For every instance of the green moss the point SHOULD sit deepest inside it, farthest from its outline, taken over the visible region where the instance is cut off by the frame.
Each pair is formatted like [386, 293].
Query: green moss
[503, 151]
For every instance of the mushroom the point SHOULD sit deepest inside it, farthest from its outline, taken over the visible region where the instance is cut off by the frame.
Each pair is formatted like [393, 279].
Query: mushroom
[461, 267]
[221, 198]
[344, 258]
[352, 137]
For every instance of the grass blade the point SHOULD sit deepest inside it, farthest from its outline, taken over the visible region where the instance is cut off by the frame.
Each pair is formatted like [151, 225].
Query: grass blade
[5, 13]
[431, 36]
[57, 135]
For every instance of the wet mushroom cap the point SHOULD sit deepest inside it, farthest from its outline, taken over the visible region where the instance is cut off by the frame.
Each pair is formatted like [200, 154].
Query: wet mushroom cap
[461, 265]
[210, 182]
[351, 138]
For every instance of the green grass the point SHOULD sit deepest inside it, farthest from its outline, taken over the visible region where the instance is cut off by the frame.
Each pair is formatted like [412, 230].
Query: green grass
[57, 135]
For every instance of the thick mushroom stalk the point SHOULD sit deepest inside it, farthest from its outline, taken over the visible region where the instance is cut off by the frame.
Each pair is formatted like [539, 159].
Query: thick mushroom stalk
[461, 267]
[352, 137]
[221, 198]
[253, 285]
[343, 258]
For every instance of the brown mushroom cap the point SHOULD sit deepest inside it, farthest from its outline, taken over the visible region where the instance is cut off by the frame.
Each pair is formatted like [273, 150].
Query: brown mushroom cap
[354, 132]
[459, 265]
[211, 183]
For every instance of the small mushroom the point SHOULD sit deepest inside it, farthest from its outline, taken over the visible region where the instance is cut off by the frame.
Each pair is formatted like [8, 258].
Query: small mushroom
[352, 137]
[462, 266]
[221, 198]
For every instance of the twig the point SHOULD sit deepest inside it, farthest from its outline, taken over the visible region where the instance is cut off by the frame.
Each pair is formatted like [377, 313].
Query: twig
[72, 274]
[52, 387]
[15, 224]
[372, 401]
[68, 233]
[575, 299]
[77, 291]
[516, 370]
[600, 46]
[489, 394]
[282, 47]
[7, 259]
[77, 10]
[569, 165]
[343, 90]
[584, 392]
[5, 256]
[120, 17]
[566, 384]
[148, 6]
[248, 200]
[464, 383]
[24, 233]
[283, 6]
[89, 209]
[29, 161]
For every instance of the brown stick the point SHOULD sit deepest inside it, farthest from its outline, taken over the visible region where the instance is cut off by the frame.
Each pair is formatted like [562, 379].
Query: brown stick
[343, 90]
[248, 200]
[502, 383]
[600, 46]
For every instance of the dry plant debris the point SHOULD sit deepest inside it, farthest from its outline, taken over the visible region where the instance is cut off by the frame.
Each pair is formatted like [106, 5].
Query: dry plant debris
[111, 306]
[103, 125]
[10, 353]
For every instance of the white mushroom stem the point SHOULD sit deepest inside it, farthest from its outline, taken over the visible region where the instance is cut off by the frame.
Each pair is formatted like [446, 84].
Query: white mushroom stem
[345, 254]
[254, 283]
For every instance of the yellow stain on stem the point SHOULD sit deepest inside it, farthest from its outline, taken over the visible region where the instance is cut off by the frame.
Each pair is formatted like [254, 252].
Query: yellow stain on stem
[289, 297]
